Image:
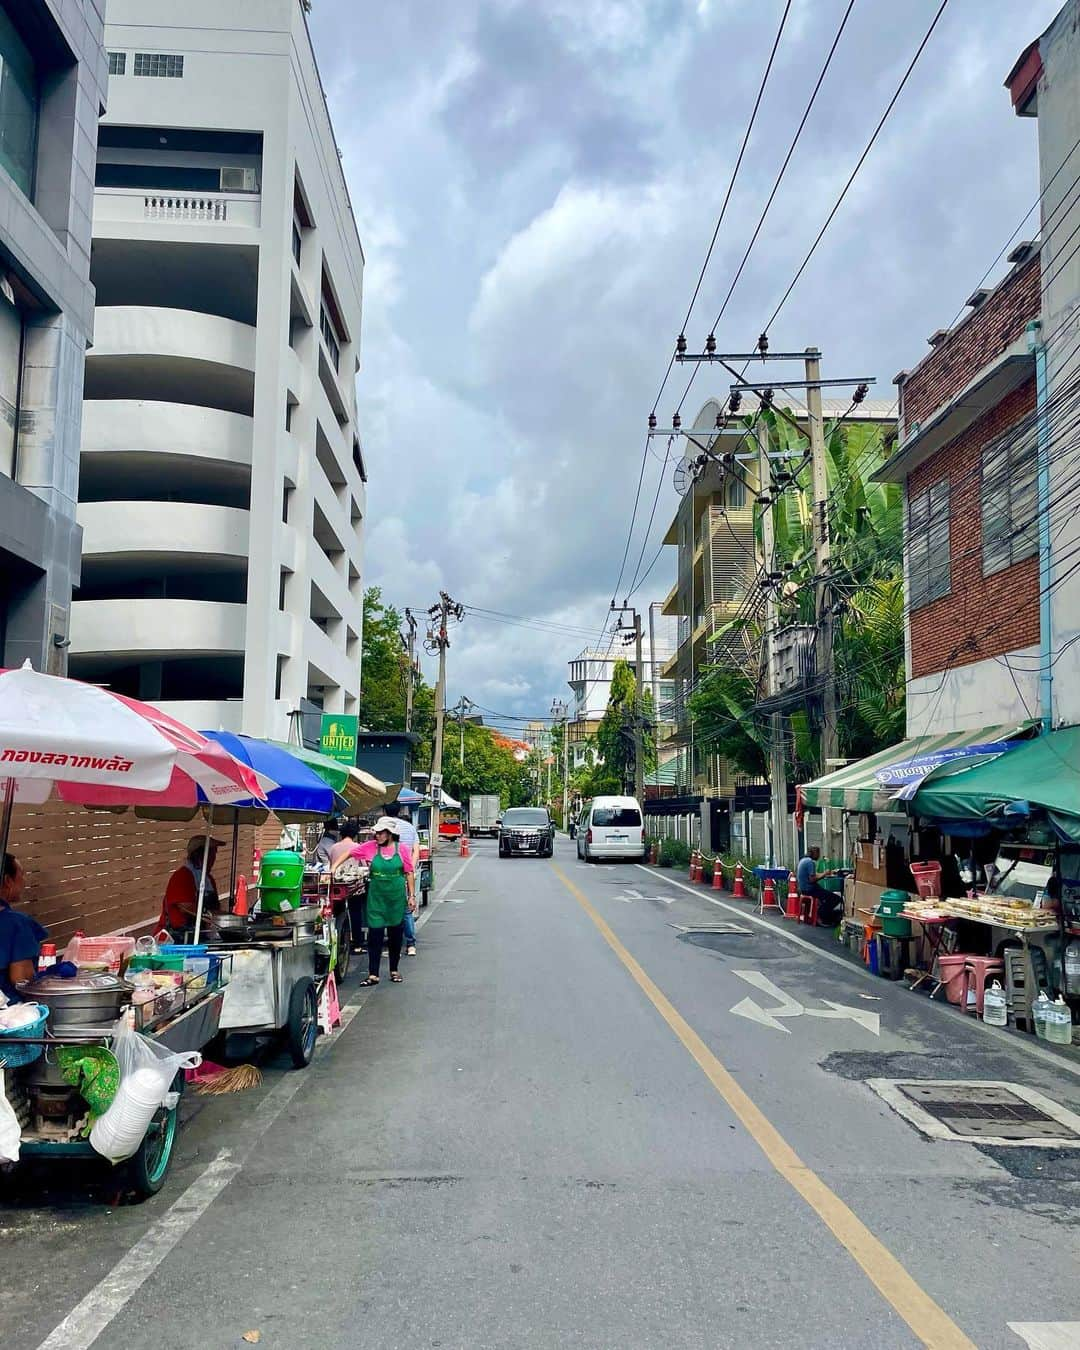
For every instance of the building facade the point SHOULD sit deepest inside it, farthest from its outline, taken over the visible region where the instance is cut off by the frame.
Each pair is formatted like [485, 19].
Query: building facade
[589, 679]
[222, 493]
[967, 457]
[52, 91]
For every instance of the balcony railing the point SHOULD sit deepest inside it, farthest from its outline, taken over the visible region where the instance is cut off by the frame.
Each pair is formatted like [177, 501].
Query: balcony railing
[189, 208]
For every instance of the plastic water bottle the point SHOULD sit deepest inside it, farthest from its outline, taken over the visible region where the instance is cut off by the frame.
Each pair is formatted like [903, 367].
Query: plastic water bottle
[1039, 1010]
[995, 1009]
[1059, 1022]
[1072, 967]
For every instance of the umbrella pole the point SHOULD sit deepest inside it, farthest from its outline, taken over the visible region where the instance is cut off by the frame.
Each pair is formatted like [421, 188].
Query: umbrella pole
[5, 821]
[232, 864]
[202, 881]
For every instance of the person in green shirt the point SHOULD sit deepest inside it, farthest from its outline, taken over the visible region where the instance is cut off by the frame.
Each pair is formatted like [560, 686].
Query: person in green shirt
[390, 894]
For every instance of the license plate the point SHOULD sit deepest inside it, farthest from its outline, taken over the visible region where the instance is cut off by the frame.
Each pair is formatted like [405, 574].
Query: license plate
[618, 838]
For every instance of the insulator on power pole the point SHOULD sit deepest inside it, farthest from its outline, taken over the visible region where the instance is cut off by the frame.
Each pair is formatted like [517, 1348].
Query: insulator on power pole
[710, 344]
[652, 421]
[767, 398]
[676, 421]
[729, 459]
[860, 393]
[719, 423]
[680, 344]
[734, 401]
[763, 343]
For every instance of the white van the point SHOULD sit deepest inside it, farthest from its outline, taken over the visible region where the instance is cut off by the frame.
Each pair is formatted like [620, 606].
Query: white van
[611, 827]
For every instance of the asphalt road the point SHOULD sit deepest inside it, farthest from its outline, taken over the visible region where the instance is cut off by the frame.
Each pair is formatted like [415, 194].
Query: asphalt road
[557, 1133]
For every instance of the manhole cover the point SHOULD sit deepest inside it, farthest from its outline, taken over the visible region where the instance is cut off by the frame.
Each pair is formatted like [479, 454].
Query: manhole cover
[708, 928]
[1007, 1114]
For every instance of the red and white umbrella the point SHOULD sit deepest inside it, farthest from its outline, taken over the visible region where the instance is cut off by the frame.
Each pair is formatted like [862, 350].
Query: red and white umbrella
[84, 740]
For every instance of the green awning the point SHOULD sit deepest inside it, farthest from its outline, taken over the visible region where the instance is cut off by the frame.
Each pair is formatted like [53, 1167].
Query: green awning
[855, 787]
[1044, 772]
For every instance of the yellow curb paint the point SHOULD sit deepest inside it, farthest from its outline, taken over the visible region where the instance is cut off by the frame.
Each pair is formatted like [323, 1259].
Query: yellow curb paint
[930, 1323]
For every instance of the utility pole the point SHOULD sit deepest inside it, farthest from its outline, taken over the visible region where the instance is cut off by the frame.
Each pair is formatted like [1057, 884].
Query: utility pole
[778, 851]
[559, 711]
[823, 591]
[409, 644]
[639, 704]
[438, 640]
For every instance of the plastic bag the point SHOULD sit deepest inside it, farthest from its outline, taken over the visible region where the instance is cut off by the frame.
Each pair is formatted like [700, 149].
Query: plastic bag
[10, 1133]
[147, 1070]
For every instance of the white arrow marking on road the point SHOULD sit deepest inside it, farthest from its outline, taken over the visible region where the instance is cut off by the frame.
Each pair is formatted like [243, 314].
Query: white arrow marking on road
[629, 896]
[790, 1007]
[1048, 1335]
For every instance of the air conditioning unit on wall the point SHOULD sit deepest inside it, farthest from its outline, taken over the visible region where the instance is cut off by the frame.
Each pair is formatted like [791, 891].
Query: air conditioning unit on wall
[238, 180]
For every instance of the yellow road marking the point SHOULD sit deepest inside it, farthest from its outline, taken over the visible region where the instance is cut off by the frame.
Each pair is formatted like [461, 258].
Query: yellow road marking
[930, 1323]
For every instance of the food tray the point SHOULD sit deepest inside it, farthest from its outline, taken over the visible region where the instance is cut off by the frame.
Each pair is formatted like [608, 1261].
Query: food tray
[193, 989]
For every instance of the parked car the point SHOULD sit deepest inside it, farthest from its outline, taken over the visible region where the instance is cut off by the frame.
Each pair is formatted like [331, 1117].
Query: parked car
[611, 827]
[484, 814]
[526, 829]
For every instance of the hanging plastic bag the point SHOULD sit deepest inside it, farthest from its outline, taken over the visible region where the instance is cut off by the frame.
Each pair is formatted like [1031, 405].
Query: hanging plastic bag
[147, 1070]
[10, 1132]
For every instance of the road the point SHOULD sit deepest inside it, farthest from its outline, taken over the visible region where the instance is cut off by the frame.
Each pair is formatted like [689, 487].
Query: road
[557, 1132]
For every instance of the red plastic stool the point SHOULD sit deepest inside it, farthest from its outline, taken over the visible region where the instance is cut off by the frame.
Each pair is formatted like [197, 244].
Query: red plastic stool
[976, 971]
[808, 910]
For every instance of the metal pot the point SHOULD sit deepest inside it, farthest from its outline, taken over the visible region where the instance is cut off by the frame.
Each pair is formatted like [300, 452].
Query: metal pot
[84, 1001]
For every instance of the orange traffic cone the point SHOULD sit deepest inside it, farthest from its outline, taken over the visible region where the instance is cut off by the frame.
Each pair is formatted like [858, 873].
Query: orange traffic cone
[739, 889]
[241, 903]
[693, 865]
[768, 897]
[792, 911]
[718, 876]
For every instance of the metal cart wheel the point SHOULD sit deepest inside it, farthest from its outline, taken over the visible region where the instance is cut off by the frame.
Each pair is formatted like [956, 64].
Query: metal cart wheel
[303, 1025]
[344, 946]
[148, 1168]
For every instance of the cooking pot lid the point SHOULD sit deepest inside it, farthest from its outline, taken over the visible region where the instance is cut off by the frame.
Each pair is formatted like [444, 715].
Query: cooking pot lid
[78, 984]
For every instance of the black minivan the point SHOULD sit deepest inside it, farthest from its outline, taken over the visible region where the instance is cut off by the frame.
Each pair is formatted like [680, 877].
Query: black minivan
[526, 829]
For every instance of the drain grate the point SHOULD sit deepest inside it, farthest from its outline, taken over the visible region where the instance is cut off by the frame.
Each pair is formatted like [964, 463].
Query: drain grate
[1008, 1114]
[708, 928]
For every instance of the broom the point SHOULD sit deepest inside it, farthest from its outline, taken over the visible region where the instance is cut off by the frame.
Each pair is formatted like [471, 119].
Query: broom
[220, 1080]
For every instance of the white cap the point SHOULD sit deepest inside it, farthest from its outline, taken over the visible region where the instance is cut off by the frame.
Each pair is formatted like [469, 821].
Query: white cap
[389, 824]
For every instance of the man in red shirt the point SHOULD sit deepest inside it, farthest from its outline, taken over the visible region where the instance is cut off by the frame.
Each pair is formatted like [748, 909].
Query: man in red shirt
[182, 892]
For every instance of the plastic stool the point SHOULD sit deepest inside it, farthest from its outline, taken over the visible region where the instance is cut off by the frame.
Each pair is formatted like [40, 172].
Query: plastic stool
[976, 970]
[808, 910]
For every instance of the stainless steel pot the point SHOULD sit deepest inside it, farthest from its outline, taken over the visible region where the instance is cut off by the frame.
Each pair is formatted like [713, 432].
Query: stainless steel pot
[85, 1001]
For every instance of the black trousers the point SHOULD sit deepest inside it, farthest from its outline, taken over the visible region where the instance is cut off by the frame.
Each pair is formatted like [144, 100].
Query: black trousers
[375, 946]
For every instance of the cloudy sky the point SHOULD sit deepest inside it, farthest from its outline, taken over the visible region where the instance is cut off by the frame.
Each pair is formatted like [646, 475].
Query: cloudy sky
[536, 182]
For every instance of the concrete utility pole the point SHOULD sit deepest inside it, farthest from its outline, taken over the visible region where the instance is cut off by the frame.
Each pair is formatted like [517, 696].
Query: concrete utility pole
[438, 640]
[559, 711]
[778, 852]
[823, 591]
[409, 643]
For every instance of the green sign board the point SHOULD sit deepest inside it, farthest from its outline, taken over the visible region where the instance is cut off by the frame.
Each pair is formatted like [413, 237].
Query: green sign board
[338, 737]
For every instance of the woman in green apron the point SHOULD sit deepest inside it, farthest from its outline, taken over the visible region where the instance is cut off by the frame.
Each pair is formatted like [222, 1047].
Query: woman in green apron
[389, 894]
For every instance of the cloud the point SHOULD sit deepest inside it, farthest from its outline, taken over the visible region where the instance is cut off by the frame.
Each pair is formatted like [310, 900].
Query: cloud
[536, 186]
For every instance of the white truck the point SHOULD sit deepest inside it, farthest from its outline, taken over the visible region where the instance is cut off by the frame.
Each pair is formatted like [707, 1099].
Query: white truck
[484, 812]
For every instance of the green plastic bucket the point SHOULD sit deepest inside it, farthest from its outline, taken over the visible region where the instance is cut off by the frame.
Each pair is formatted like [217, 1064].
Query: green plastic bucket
[889, 908]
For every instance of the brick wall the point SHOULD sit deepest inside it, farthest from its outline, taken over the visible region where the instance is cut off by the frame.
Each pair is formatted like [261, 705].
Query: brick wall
[972, 344]
[1008, 601]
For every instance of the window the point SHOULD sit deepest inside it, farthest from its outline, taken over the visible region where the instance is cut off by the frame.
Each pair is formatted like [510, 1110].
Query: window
[19, 99]
[159, 65]
[326, 328]
[117, 63]
[929, 566]
[1010, 530]
[616, 817]
[736, 492]
[11, 333]
[297, 243]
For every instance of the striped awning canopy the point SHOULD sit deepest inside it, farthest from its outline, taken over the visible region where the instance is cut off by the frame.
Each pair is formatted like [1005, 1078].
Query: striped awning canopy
[856, 787]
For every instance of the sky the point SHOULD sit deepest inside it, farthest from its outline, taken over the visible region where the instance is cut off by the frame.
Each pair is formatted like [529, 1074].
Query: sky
[536, 183]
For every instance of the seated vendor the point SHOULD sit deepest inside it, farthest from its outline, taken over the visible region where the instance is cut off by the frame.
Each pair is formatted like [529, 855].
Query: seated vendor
[182, 892]
[830, 905]
[20, 935]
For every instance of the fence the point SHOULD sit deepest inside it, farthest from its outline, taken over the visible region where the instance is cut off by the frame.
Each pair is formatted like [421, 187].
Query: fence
[101, 871]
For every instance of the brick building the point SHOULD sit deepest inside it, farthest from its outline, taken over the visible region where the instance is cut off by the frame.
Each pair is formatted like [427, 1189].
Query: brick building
[967, 457]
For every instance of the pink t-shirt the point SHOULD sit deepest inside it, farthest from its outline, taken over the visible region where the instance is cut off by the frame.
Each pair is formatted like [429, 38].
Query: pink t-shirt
[365, 852]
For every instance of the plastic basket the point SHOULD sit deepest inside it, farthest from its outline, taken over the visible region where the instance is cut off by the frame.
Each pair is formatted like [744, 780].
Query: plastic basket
[927, 879]
[16, 1055]
[113, 951]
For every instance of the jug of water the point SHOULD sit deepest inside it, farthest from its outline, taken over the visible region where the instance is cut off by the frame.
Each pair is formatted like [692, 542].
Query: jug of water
[1039, 1010]
[1059, 1022]
[995, 1010]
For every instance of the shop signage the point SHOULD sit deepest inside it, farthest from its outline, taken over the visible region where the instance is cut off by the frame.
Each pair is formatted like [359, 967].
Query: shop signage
[338, 737]
[909, 774]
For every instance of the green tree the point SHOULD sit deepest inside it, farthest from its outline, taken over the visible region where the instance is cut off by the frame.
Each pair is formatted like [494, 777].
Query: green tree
[486, 766]
[615, 734]
[383, 675]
